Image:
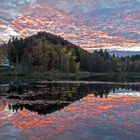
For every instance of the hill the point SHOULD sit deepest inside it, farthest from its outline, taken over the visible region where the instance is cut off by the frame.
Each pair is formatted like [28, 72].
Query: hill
[46, 51]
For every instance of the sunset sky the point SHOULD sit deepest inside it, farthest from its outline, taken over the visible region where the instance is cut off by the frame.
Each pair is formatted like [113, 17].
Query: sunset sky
[88, 23]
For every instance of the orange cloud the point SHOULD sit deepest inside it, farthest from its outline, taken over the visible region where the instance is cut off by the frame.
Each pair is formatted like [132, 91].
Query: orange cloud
[90, 32]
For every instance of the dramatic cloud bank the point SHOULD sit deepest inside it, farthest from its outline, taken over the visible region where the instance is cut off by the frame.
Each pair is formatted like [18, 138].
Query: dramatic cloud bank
[88, 23]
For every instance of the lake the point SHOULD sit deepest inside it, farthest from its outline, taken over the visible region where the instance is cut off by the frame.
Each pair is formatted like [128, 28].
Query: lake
[69, 110]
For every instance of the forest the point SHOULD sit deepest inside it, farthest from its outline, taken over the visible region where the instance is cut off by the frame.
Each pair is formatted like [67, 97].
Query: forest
[47, 52]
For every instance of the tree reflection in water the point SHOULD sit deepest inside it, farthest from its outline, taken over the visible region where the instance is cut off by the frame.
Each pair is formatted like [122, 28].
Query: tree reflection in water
[74, 111]
[50, 97]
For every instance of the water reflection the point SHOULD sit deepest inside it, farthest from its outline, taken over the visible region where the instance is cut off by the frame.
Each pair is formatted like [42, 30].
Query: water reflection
[45, 98]
[69, 111]
[89, 118]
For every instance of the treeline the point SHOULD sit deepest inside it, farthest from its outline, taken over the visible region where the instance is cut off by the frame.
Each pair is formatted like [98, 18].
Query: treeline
[48, 52]
[103, 61]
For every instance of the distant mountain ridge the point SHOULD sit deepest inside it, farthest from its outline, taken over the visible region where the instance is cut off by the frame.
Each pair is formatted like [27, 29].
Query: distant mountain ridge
[123, 53]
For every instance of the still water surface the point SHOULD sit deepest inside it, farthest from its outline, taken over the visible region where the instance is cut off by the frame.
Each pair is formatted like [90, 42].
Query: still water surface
[69, 111]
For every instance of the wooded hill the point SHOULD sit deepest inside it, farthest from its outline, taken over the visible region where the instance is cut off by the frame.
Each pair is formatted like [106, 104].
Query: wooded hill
[48, 52]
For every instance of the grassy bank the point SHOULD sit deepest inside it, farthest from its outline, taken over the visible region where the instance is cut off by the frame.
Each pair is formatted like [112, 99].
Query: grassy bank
[41, 74]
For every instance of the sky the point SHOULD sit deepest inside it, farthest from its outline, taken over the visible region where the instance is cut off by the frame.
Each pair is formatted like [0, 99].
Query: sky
[91, 24]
